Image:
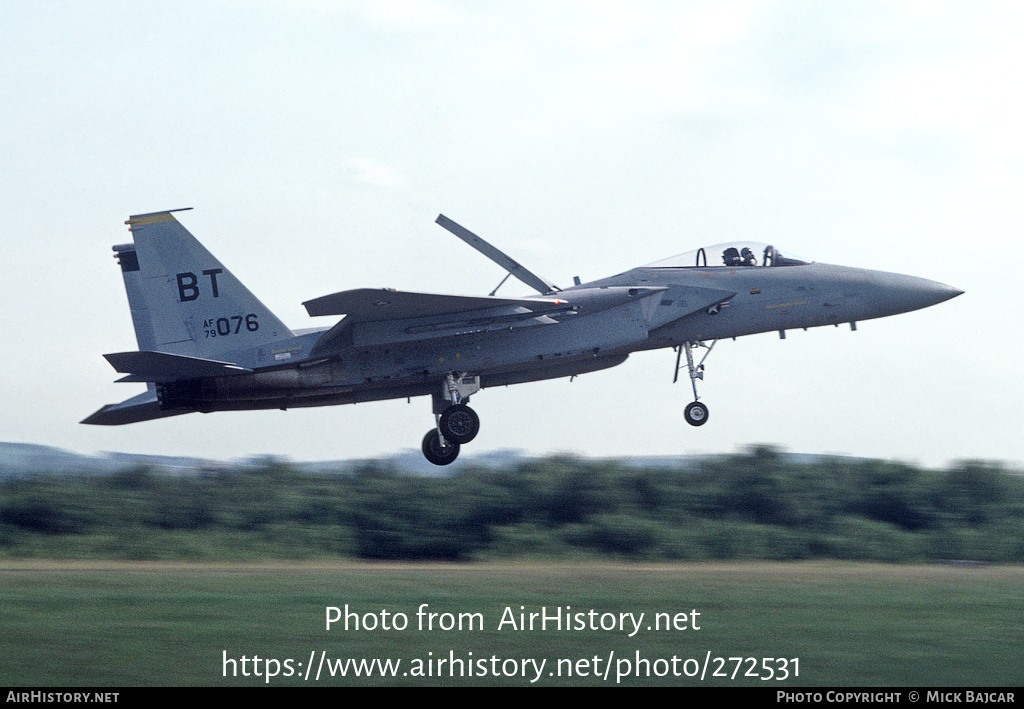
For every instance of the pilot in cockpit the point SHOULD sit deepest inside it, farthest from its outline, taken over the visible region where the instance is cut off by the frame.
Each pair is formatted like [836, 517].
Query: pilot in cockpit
[734, 257]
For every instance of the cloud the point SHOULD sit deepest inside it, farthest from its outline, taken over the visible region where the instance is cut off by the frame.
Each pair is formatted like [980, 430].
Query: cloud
[371, 172]
[406, 15]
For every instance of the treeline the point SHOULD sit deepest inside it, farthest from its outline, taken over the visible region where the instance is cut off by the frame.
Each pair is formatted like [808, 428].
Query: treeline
[760, 504]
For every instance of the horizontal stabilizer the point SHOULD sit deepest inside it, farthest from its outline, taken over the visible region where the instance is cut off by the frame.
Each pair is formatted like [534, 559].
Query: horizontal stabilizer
[143, 407]
[372, 304]
[166, 367]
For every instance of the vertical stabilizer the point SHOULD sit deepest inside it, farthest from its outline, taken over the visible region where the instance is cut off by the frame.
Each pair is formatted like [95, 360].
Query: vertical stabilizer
[183, 300]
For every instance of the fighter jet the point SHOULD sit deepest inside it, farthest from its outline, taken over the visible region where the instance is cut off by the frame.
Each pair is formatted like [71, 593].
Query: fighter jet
[208, 344]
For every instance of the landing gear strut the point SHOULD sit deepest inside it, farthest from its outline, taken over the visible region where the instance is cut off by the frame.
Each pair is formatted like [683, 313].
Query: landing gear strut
[456, 422]
[696, 414]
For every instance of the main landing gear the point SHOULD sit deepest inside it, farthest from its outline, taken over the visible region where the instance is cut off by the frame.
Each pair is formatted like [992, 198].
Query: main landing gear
[456, 422]
[696, 414]
[438, 450]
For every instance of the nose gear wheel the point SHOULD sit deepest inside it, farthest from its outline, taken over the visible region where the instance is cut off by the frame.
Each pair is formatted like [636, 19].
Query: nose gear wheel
[696, 414]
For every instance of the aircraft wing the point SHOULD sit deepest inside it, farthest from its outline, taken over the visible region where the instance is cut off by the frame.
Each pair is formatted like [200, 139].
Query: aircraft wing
[372, 304]
[375, 315]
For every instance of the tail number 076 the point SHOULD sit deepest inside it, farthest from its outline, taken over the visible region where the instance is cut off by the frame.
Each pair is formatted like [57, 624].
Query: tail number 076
[223, 327]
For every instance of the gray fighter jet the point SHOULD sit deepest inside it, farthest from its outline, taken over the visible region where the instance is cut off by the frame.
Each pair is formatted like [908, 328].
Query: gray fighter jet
[207, 344]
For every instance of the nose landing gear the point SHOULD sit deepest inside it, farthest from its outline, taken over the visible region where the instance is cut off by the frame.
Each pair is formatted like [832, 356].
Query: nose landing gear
[696, 414]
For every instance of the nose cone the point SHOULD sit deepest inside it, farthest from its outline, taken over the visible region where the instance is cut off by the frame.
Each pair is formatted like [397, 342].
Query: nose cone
[895, 293]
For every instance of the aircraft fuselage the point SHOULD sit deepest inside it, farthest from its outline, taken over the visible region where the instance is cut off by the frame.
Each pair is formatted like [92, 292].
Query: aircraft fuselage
[389, 361]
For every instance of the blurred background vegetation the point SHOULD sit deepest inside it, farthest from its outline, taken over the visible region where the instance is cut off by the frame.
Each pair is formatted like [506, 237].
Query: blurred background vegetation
[758, 504]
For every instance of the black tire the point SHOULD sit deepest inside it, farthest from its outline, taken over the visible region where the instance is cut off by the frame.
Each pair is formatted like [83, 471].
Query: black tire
[435, 452]
[459, 423]
[696, 414]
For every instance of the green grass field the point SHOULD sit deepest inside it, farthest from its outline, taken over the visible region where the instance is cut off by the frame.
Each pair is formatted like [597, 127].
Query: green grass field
[127, 624]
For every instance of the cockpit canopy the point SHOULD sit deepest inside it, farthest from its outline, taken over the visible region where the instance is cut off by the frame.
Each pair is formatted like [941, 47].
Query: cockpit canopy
[736, 254]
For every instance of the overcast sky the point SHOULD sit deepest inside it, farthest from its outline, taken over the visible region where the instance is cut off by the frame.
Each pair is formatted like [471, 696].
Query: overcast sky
[317, 141]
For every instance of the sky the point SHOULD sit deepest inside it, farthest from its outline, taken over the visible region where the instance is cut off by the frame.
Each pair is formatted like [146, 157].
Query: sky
[318, 140]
